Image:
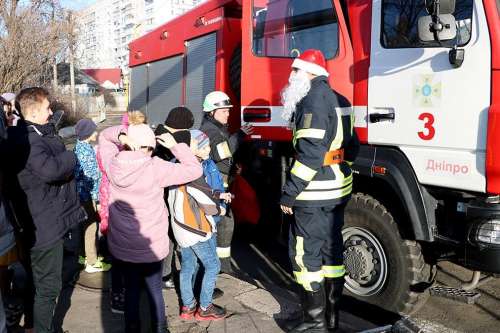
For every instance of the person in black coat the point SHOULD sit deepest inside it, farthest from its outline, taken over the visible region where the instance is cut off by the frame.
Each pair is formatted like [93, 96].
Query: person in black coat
[7, 239]
[44, 197]
[178, 122]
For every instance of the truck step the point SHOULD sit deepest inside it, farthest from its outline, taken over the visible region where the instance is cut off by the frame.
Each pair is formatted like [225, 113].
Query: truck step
[464, 296]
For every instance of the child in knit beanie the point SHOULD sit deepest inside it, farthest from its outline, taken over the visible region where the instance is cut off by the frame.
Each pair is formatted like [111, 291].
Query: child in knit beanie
[199, 245]
[88, 180]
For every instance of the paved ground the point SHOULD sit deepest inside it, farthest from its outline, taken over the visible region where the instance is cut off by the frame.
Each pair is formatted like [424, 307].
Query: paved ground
[251, 310]
[484, 316]
[270, 267]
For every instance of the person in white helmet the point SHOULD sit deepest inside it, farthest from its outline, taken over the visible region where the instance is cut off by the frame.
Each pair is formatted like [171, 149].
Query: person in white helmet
[217, 106]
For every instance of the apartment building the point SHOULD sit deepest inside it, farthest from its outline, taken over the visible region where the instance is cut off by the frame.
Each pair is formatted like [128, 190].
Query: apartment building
[106, 27]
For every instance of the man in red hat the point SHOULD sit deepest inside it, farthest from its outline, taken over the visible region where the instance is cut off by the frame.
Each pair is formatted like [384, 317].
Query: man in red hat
[318, 188]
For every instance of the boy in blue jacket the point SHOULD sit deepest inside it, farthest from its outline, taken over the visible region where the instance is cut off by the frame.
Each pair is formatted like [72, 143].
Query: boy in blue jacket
[88, 179]
[214, 180]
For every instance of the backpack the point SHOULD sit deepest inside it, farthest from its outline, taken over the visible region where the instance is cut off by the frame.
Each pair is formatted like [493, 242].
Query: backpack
[194, 217]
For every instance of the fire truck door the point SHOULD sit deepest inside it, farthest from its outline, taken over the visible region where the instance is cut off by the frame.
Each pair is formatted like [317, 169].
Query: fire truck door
[435, 113]
[278, 31]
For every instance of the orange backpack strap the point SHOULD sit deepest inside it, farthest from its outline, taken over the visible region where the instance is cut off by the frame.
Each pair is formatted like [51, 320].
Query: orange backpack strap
[194, 217]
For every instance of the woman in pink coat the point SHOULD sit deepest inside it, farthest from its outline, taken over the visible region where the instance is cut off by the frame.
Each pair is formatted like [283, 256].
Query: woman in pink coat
[138, 217]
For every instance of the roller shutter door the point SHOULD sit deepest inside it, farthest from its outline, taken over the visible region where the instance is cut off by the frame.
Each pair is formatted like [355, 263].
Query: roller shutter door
[138, 88]
[200, 78]
[165, 88]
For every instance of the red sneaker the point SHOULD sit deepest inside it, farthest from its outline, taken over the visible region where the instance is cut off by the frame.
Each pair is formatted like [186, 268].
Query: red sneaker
[188, 313]
[213, 312]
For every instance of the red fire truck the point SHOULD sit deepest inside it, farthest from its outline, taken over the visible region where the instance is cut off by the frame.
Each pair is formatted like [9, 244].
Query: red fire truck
[424, 81]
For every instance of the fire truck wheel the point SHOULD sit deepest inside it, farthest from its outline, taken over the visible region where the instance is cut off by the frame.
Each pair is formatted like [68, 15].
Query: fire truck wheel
[382, 268]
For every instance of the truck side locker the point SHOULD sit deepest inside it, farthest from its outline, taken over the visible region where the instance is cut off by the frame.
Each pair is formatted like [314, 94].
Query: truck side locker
[165, 88]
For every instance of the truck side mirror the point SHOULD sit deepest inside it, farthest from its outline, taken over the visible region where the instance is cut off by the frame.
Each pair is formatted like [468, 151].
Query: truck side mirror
[437, 28]
[456, 57]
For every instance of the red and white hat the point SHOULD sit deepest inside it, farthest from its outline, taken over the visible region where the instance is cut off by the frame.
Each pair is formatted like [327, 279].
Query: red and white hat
[311, 61]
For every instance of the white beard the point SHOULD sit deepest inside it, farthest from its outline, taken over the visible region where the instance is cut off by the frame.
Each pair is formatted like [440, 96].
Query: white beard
[297, 88]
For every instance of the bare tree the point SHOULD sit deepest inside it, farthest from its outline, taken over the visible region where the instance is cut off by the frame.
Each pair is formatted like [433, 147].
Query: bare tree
[71, 42]
[32, 35]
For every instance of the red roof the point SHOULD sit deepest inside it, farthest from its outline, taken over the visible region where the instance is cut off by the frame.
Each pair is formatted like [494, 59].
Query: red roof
[102, 75]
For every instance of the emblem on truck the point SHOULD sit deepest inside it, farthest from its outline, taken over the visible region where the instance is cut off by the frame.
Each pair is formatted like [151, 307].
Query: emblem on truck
[426, 91]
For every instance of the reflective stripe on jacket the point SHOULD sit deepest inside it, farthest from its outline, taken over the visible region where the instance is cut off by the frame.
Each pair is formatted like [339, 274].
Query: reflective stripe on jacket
[324, 122]
[222, 144]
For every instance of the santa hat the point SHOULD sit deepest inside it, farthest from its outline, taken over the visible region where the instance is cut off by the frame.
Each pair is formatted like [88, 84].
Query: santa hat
[311, 61]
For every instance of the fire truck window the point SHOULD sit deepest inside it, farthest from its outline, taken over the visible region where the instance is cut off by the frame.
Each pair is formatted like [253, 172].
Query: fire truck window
[286, 28]
[400, 23]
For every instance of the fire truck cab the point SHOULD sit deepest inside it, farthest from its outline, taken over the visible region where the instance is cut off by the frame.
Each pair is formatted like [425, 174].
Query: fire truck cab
[424, 81]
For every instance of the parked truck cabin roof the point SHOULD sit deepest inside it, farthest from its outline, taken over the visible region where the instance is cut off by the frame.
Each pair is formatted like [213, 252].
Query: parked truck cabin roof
[168, 39]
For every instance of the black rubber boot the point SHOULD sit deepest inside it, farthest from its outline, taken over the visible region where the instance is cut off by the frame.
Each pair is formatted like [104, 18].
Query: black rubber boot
[313, 306]
[225, 266]
[132, 327]
[333, 288]
[225, 230]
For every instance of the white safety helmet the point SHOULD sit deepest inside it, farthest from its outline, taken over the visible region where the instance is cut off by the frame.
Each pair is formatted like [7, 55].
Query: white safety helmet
[216, 100]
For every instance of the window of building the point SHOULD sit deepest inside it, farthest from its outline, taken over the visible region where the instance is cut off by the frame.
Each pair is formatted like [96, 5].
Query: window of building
[400, 23]
[286, 28]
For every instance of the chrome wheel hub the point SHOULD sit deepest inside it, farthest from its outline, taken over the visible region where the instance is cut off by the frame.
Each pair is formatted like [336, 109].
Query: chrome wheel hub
[365, 262]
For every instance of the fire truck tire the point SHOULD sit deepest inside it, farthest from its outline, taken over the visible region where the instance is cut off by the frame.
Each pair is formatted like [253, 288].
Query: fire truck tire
[235, 72]
[382, 268]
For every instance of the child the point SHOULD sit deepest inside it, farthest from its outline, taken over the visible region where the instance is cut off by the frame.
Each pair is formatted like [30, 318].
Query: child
[194, 208]
[88, 178]
[117, 299]
[212, 175]
[178, 122]
[138, 216]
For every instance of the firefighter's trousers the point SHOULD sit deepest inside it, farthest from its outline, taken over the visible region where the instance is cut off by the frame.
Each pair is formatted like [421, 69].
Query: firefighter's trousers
[225, 230]
[316, 245]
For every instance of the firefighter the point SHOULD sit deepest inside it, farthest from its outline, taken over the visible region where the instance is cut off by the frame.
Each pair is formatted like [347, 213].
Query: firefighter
[318, 188]
[216, 107]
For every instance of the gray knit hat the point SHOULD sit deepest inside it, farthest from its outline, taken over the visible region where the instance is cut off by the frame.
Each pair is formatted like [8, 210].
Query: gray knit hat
[84, 129]
[200, 137]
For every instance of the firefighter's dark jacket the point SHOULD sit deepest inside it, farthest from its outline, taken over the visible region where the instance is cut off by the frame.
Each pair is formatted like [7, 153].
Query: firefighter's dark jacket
[323, 122]
[222, 144]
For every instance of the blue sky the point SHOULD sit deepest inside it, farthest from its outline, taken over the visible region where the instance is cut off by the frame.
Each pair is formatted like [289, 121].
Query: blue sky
[76, 4]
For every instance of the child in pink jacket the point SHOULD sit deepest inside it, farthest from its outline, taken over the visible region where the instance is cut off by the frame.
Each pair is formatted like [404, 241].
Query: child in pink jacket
[138, 217]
